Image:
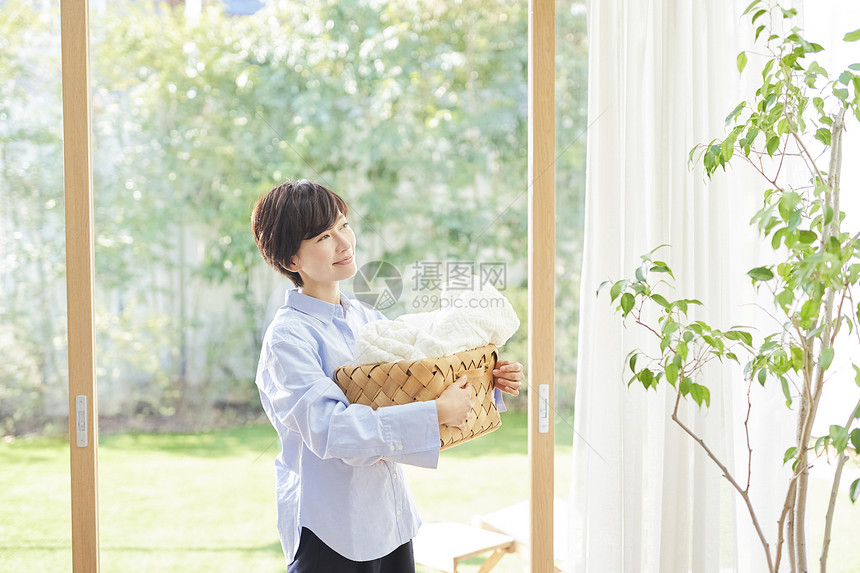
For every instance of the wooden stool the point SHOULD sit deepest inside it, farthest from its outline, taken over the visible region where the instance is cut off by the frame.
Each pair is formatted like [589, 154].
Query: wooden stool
[443, 545]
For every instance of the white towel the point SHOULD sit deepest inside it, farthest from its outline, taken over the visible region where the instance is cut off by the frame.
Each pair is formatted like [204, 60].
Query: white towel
[469, 318]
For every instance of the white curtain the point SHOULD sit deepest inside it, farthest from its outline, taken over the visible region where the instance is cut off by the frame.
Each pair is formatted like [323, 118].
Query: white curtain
[644, 497]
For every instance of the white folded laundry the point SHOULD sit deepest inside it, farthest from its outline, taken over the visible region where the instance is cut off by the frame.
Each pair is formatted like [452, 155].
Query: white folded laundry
[469, 318]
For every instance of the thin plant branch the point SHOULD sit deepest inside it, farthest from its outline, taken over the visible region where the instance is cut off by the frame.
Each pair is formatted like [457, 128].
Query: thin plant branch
[731, 479]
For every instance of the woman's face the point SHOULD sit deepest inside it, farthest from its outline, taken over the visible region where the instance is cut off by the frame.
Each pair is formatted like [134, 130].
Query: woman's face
[328, 257]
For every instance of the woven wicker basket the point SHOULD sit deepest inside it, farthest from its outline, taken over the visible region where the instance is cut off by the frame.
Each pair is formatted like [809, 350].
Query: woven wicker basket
[390, 383]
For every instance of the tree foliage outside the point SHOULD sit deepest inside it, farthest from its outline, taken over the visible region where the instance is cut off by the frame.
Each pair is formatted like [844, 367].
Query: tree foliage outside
[414, 112]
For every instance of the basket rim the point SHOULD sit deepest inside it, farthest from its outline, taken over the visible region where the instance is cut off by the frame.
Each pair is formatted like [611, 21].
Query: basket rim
[429, 359]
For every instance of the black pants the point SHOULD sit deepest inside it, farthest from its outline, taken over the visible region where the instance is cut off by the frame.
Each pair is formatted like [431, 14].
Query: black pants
[314, 556]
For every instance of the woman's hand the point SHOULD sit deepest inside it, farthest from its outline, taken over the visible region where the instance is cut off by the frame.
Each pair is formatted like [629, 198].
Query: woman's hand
[508, 377]
[455, 403]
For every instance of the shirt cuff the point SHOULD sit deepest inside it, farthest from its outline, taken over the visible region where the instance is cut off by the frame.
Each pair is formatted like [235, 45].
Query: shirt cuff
[500, 400]
[410, 428]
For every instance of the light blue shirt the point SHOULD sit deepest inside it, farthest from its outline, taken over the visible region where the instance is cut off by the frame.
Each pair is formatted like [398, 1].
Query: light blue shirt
[338, 471]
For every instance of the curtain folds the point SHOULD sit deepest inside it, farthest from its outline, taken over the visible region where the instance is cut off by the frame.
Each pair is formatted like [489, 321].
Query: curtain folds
[644, 497]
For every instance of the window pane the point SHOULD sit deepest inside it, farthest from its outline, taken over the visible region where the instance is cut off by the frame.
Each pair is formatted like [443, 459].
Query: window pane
[34, 484]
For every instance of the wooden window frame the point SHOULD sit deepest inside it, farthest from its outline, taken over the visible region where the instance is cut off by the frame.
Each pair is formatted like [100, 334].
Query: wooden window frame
[80, 274]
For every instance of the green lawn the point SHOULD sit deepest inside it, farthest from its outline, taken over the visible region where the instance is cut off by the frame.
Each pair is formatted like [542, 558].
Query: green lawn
[205, 502]
[202, 502]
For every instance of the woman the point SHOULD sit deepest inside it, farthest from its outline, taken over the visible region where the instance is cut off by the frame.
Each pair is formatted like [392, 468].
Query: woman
[343, 503]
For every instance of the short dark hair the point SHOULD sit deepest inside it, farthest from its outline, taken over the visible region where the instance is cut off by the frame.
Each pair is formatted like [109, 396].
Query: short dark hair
[289, 214]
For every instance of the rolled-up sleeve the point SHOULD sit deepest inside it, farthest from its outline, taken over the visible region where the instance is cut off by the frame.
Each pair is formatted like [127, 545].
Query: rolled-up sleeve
[308, 402]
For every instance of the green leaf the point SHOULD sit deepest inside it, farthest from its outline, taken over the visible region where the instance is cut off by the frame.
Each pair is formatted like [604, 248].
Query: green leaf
[823, 135]
[785, 390]
[826, 358]
[670, 327]
[789, 453]
[646, 377]
[784, 299]
[772, 144]
[777, 238]
[839, 435]
[647, 256]
[662, 268]
[616, 290]
[787, 204]
[852, 36]
[749, 8]
[855, 67]
[740, 335]
[761, 274]
[632, 362]
[742, 61]
[841, 94]
[795, 220]
[806, 237]
[671, 374]
[735, 112]
[661, 301]
[686, 385]
[716, 343]
[762, 376]
[809, 309]
[855, 439]
[627, 302]
[600, 288]
[854, 490]
[856, 374]
[700, 394]
[767, 68]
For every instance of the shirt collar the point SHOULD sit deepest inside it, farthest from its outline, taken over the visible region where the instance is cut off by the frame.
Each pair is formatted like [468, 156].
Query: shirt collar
[315, 307]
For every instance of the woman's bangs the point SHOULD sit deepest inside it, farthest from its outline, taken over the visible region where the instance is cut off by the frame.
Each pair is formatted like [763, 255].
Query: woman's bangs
[325, 207]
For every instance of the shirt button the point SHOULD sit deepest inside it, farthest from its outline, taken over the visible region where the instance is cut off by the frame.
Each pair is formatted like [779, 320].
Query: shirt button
[398, 512]
[392, 447]
[400, 447]
[393, 476]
